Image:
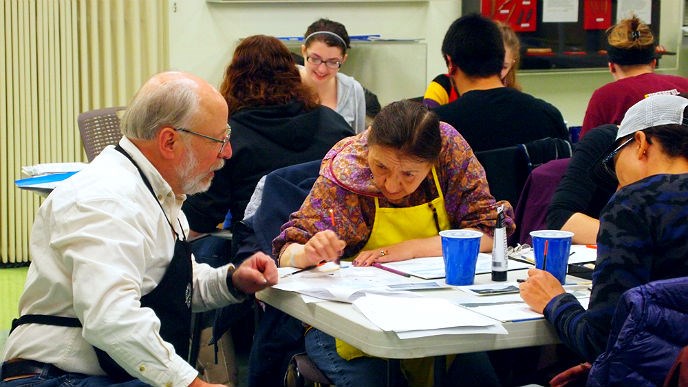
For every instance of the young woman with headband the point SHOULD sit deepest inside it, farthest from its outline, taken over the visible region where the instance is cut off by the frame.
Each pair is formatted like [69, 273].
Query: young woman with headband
[324, 51]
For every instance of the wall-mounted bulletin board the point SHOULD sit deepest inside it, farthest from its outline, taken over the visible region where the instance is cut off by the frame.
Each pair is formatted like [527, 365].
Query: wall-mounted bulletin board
[565, 34]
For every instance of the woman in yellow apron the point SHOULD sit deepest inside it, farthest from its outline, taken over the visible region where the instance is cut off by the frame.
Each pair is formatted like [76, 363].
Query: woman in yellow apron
[382, 196]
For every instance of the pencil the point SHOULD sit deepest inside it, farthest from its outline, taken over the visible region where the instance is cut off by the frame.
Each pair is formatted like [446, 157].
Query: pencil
[544, 256]
[331, 211]
[389, 269]
[305, 269]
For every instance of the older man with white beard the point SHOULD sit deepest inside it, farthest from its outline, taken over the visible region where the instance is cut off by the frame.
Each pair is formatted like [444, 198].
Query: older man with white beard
[112, 283]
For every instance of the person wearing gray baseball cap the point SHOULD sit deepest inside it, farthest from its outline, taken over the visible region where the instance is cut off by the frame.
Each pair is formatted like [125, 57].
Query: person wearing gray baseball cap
[642, 238]
[662, 116]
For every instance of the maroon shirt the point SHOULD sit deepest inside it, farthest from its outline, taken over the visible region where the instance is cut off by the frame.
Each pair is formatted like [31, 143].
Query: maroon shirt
[609, 103]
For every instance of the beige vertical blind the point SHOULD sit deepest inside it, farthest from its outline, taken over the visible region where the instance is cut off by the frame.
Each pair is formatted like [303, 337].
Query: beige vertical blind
[59, 58]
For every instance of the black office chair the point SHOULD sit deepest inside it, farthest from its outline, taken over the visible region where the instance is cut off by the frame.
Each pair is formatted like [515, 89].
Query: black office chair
[508, 168]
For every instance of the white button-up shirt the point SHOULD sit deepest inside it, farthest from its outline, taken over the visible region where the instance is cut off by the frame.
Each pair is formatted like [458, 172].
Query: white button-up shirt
[99, 243]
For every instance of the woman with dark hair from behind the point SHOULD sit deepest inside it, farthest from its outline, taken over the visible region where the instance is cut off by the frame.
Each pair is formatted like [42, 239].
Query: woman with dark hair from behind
[276, 121]
[632, 52]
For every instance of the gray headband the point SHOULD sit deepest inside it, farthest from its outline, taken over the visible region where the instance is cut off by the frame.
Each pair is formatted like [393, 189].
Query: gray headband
[326, 33]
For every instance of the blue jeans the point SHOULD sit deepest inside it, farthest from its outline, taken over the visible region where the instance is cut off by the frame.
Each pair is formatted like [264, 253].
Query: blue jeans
[362, 371]
[467, 370]
[70, 380]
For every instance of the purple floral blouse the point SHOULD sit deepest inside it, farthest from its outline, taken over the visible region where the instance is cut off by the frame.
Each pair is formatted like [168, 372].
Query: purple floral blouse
[345, 185]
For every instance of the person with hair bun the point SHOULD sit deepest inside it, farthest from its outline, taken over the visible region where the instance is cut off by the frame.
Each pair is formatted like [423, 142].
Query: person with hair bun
[632, 52]
[324, 51]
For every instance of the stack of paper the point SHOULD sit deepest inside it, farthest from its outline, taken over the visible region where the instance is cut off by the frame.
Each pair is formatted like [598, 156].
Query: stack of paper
[424, 315]
[51, 168]
[43, 178]
[343, 285]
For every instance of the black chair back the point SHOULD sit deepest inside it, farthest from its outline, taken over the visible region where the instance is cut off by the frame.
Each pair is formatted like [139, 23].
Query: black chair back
[508, 168]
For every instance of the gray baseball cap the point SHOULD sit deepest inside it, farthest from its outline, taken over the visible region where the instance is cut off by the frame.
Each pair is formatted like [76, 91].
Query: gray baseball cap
[655, 110]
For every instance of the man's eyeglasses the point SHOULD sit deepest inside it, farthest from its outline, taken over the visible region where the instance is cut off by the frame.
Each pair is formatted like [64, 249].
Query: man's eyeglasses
[224, 141]
[608, 162]
[330, 63]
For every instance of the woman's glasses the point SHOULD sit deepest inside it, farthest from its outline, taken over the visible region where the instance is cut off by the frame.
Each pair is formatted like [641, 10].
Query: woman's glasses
[608, 162]
[330, 63]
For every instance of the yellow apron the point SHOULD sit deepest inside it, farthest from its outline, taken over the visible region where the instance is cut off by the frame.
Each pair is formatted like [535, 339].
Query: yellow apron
[394, 225]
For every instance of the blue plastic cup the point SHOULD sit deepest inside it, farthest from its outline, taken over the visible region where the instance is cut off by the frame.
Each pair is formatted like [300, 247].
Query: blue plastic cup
[558, 248]
[460, 252]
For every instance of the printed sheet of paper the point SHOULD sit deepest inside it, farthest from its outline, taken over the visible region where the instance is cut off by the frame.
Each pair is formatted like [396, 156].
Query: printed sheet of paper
[343, 285]
[421, 313]
[559, 11]
[511, 307]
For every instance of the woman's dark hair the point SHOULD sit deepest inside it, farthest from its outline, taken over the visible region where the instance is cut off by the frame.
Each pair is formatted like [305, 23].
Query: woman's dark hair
[409, 127]
[673, 138]
[331, 26]
[263, 73]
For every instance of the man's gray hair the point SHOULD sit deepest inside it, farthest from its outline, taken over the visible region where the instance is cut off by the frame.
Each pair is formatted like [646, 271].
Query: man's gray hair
[168, 99]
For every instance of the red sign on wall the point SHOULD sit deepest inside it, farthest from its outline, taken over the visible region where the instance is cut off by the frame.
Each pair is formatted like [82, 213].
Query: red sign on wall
[520, 15]
[597, 14]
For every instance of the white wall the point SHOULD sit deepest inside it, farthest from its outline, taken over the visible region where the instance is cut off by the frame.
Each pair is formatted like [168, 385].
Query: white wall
[203, 36]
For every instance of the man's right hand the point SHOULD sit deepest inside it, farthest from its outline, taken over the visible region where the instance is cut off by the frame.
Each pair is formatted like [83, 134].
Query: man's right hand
[255, 273]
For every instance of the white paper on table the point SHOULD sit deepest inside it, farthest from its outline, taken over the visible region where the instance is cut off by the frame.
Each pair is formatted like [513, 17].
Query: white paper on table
[433, 267]
[411, 314]
[582, 254]
[496, 329]
[48, 168]
[508, 312]
[424, 267]
[513, 308]
[345, 285]
[577, 254]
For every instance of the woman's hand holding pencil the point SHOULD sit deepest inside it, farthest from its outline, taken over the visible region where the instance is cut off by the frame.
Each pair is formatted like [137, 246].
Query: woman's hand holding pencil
[539, 289]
